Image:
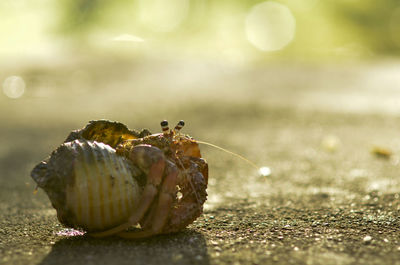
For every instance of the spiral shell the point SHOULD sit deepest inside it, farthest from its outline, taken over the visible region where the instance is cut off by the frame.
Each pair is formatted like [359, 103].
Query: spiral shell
[89, 185]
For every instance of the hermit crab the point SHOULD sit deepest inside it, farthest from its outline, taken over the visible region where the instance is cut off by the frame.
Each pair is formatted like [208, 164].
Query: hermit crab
[109, 180]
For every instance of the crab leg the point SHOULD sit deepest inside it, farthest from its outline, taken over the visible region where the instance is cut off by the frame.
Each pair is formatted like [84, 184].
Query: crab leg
[149, 193]
[160, 213]
[193, 189]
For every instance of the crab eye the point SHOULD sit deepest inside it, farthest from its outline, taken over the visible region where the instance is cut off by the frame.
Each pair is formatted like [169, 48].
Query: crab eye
[164, 125]
[179, 126]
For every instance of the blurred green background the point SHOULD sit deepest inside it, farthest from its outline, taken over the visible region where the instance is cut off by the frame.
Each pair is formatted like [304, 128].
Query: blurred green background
[237, 31]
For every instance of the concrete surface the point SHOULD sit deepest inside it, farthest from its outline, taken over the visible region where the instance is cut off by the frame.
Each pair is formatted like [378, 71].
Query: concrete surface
[329, 199]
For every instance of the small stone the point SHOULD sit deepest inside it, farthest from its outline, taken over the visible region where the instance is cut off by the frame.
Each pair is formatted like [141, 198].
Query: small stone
[367, 239]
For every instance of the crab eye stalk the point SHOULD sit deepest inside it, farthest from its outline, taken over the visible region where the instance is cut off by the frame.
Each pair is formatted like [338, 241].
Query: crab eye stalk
[179, 126]
[164, 126]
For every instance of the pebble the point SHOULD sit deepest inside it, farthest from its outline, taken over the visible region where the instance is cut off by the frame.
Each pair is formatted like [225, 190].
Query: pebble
[367, 239]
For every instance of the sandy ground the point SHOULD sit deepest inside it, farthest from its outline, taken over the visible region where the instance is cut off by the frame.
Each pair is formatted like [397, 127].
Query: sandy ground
[329, 199]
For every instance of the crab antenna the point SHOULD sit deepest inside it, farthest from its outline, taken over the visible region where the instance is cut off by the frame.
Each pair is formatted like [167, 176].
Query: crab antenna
[164, 126]
[230, 152]
[179, 126]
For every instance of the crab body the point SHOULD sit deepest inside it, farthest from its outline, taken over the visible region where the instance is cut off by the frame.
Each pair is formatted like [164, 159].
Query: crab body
[106, 178]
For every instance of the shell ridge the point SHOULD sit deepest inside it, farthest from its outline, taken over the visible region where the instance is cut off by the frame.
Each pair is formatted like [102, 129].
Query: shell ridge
[98, 203]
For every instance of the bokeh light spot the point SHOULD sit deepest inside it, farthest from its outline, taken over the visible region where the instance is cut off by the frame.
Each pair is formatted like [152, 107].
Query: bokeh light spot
[270, 26]
[14, 87]
[264, 171]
